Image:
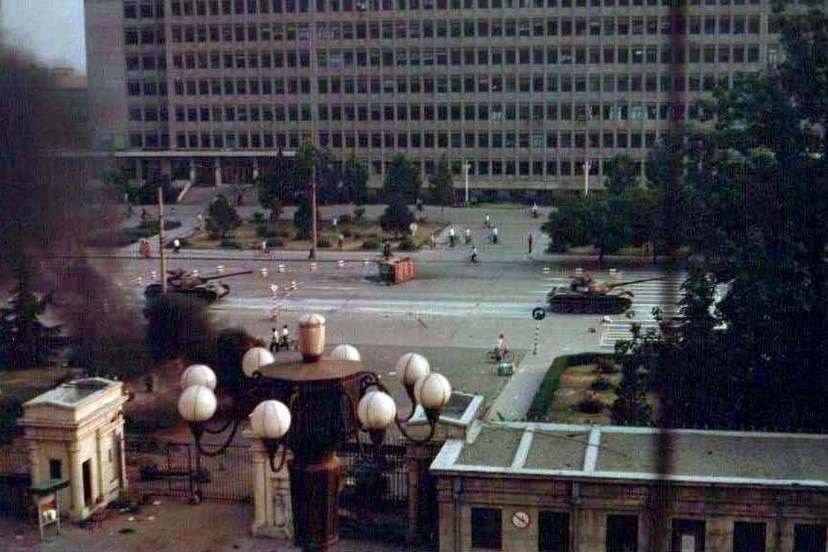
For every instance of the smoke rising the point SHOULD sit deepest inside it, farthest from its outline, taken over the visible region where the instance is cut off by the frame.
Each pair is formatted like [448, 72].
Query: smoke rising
[45, 217]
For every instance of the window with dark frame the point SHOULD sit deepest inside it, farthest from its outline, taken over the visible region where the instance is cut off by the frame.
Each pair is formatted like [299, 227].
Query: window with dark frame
[486, 528]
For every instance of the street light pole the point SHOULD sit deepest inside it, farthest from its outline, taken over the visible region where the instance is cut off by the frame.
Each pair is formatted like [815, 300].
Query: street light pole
[312, 254]
[466, 168]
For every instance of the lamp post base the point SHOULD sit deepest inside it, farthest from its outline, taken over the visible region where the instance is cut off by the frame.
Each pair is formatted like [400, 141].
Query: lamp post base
[314, 489]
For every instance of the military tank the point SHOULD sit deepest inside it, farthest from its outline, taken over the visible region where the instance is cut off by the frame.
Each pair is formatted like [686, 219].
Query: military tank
[188, 284]
[584, 295]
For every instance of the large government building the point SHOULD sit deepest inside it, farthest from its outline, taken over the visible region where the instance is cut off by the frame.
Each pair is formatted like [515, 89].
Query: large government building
[524, 95]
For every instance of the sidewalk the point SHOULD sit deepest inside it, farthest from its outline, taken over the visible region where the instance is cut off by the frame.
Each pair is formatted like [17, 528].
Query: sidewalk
[170, 526]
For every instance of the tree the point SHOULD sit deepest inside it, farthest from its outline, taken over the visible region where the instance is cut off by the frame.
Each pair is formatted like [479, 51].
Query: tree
[402, 180]
[397, 216]
[25, 341]
[442, 187]
[221, 217]
[750, 191]
[302, 219]
[275, 186]
[116, 182]
[620, 175]
[355, 181]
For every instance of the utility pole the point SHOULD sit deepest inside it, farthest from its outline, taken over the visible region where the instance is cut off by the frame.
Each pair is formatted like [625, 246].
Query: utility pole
[161, 253]
[312, 254]
[466, 168]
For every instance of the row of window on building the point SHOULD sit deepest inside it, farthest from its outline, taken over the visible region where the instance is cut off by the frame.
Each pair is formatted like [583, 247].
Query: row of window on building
[581, 113]
[189, 8]
[543, 142]
[442, 57]
[622, 533]
[535, 86]
[490, 27]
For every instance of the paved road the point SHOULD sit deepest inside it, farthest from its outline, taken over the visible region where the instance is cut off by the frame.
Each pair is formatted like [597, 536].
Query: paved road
[451, 303]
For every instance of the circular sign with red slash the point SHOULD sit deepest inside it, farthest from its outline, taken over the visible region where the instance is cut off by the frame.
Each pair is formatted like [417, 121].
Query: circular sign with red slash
[521, 519]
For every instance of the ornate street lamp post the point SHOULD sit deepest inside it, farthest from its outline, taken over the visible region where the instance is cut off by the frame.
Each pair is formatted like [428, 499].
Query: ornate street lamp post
[311, 406]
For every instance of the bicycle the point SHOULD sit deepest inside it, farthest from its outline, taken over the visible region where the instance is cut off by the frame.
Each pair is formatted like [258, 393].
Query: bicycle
[494, 355]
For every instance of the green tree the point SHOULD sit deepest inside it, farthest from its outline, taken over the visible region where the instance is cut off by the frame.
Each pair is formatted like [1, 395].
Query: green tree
[221, 217]
[402, 180]
[397, 216]
[355, 181]
[25, 341]
[442, 187]
[749, 196]
[116, 183]
[620, 175]
[275, 186]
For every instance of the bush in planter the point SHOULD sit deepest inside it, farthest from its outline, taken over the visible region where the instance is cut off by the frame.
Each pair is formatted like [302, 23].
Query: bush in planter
[347, 218]
[370, 245]
[347, 233]
[230, 243]
[264, 231]
[602, 384]
[257, 218]
[283, 233]
[606, 365]
[275, 242]
[323, 242]
[590, 406]
[407, 244]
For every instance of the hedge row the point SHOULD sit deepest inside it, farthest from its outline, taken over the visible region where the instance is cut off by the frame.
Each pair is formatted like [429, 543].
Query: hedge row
[546, 391]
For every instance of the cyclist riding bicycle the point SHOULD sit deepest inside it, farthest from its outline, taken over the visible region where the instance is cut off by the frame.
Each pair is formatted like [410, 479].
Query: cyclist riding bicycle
[473, 258]
[500, 349]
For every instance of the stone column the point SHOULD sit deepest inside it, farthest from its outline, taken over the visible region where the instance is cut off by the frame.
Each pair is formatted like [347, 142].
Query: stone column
[76, 481]
[218, 172]
[272, 513]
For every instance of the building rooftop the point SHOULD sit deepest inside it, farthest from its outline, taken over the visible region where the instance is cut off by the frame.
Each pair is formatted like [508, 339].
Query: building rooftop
[618, 453]
[73, 392]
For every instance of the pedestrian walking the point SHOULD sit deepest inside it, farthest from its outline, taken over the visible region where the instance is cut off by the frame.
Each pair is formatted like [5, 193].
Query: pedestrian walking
[487, 222]
[334, 221]
[432, 241]
[274, 340]
[468, 237]
[144, 248]
[529, 240]
[340, 241]
[285, 338]
[534, 210]
[176, 245]
[494, 235]
[452, 236]
[264, 246]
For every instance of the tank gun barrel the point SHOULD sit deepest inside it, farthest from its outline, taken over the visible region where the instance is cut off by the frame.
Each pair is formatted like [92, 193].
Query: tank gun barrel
[227, 275]
[613, 285]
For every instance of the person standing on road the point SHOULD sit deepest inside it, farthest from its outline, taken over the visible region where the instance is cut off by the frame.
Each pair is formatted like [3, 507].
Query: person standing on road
[177, 245]
[432, 241]
[534, 210]
[452, 236]
[500, 348]
[285, 339]
[494, 235]
[274, 340]
[529, 240]
[468, 236]
[487, 222]
[340, 241]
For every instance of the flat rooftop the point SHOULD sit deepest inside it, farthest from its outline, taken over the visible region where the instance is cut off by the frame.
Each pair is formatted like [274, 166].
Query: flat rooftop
[73, 392]
[628, 453]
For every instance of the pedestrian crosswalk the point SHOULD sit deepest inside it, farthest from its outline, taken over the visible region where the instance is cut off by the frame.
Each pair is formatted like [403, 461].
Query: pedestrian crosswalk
[662, 294]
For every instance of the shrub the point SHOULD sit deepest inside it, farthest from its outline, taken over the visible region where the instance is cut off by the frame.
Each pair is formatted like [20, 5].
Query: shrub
[359, 214]
[347, 233]
[323, 243]
[602, 384]
[264, 231]
[275, 242]
[407, 244]
[370, 245]
[606, 365]
[590, 406]
[347, 218]
[230, 243]
[257, 218]
[283, 233]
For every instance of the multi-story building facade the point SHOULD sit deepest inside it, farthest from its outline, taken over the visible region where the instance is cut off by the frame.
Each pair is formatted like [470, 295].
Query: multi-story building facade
[524, 94]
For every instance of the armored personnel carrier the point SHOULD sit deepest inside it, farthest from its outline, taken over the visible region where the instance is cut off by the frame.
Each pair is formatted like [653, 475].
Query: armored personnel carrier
[186, 283]
[584, 295]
